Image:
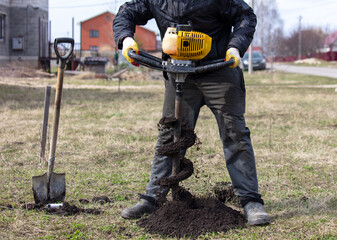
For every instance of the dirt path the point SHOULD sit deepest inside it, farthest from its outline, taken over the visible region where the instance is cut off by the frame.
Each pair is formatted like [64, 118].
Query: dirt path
[37, 83]
[316, 71]
[296, 86]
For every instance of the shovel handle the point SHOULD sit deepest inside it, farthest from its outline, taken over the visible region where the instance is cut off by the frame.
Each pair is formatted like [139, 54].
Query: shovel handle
[58, 95]
[64, 57]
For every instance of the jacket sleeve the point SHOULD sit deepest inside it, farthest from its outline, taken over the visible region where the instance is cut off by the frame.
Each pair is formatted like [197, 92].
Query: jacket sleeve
[244, 22]
[130, 14]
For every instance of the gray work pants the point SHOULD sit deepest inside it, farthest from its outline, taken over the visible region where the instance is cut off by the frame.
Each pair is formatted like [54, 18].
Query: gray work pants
[223, 92]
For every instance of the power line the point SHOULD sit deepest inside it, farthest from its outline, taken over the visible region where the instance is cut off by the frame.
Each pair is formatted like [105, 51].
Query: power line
[81, 6]
[61, 2]
[309, 7]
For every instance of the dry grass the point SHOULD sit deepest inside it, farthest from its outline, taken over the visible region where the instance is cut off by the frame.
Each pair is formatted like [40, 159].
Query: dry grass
[106, 142]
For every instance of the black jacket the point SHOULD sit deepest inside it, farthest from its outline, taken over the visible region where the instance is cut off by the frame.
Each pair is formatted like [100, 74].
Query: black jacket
[230, 23]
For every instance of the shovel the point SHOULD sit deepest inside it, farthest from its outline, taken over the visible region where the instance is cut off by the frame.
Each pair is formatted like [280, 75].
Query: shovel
[51, 187]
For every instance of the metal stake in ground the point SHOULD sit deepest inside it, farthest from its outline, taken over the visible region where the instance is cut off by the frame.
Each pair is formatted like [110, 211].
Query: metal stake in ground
[50, 187]
[45, 124]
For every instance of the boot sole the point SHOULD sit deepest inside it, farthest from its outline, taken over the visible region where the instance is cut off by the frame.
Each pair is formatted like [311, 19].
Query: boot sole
[259, 222]
[128, 215]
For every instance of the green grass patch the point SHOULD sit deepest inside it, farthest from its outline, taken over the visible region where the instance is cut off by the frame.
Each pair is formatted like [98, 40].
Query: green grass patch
[106, 143]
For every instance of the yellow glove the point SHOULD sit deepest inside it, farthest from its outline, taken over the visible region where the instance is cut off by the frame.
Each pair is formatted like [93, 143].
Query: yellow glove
[233, 53]
[129, 44]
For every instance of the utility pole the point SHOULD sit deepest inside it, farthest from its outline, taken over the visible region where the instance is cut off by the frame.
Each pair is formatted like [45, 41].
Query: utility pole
[250, 59]
[299, 38]
[73, 28]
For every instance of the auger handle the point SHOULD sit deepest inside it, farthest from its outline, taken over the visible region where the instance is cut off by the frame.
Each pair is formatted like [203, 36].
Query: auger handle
[153, 62]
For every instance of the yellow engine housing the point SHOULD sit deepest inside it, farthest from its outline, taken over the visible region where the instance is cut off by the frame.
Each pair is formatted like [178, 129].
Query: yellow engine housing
[186, 45]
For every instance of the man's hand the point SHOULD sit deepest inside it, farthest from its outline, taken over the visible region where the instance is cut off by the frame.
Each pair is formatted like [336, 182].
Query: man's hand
[233, 53]
[129, 44]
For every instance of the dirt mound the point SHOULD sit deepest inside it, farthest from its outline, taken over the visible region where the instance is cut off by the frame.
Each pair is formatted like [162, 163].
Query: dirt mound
[65, 210]
[179, 218]
[68, 210]
[187, 215]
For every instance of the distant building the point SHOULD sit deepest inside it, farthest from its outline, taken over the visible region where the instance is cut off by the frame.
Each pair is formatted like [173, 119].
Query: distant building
[330, 47]
[97, 35]
[23, 30]
[331, 41]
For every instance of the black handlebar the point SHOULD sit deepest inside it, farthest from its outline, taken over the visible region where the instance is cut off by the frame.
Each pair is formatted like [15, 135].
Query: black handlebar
[153, 62]
[64, 57]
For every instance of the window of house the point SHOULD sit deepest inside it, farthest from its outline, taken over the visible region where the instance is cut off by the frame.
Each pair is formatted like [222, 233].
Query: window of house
[94, 33]
[2, 27]
[93, 48]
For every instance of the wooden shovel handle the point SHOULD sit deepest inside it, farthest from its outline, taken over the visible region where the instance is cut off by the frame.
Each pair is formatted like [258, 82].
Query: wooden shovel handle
[57, 107]
[56, 118]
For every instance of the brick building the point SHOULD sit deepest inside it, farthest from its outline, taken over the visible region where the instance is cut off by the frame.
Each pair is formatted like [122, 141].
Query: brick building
[23, 30]
[97, 35]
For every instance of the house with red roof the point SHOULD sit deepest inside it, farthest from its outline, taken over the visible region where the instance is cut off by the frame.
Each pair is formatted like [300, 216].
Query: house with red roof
[97, 35]
[330, 47]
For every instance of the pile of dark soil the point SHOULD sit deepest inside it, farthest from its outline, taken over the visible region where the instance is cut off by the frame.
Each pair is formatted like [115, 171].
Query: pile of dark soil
[187, 215]
[65, 210]
[205, 215]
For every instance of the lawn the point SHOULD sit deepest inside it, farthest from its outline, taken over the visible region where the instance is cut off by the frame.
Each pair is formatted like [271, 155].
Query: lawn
[106, 142]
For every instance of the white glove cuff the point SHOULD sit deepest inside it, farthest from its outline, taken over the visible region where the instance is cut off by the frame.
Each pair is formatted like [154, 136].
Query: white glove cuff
[128, 42]
[235, 52]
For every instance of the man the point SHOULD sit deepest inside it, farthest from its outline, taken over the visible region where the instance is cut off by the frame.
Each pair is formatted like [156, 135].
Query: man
[231, 24]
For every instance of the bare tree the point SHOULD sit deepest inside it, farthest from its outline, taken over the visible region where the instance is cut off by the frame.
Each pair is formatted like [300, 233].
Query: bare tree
[312, 41]
[269, 26]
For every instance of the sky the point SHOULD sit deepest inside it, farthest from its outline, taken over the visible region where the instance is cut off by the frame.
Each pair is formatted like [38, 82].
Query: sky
[61, 12]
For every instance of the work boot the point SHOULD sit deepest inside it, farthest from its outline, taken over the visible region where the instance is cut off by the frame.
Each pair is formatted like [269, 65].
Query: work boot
[255, 214]
[143, 207]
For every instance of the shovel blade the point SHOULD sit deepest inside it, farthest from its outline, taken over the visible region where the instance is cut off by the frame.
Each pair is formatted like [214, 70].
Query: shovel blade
[57, 188]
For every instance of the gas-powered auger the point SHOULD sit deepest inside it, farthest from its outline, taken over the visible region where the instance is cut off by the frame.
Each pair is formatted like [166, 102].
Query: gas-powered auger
[186, 48]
